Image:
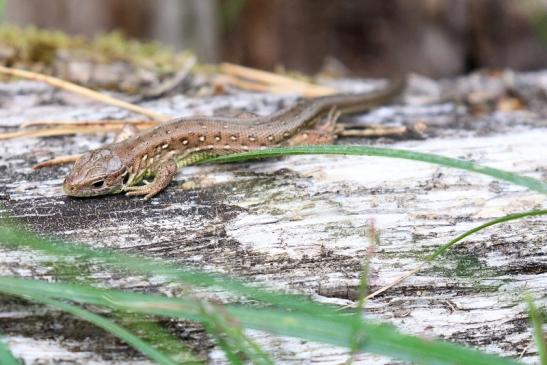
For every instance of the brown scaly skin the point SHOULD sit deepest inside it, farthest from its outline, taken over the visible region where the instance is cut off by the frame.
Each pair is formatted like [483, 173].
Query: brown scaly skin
[159, 151]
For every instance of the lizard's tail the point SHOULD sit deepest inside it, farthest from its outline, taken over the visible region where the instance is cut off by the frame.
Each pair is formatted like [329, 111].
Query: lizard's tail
[353, 103]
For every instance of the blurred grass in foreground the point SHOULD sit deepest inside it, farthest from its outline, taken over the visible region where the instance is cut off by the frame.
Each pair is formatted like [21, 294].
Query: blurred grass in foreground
[288, 315]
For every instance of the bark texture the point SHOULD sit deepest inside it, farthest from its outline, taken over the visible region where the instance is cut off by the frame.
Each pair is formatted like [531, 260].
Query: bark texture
[301, 223]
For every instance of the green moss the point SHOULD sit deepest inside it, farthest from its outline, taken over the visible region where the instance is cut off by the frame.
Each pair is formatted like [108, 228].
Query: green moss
[467, 266]
[74, 272]
[154, 332]
[40, 48]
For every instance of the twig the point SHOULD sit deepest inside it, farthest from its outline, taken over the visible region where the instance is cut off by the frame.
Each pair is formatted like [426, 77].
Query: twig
[304, 90]
[395, 282]
[48, 123]
[390, 285]
[274, 82]
[53, 81]
[242, 84]
[278, 89]
[61, 131]
[372, 132]
[114, 125]
[260, 75]
[526, 349]
[60, 160]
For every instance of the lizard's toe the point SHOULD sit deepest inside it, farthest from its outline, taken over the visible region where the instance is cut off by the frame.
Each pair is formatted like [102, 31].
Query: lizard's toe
[147, 190]
[136, 190]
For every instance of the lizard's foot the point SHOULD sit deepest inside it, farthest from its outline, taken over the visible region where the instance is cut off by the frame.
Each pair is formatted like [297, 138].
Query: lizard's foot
[127, 131]
[164, 174]
[147, 190]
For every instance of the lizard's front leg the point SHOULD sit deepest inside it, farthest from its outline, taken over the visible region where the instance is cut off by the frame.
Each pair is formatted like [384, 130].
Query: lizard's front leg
[163, 175]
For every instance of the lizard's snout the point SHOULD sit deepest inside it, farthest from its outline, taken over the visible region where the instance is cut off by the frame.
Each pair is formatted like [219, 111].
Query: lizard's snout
[72, 186]
[68, 187]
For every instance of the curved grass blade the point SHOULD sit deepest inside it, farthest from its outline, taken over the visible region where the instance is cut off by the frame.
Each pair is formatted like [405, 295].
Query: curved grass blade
[445, 247]
[107, 325]
[148, 329]
[15, 238]
[224, 331]
[336, 329]
[510, 217]
[6, 357]
[531, 183]
[229, 351]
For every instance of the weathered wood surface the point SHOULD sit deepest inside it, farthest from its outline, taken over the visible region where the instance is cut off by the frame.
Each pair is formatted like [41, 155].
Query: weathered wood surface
[300, 223]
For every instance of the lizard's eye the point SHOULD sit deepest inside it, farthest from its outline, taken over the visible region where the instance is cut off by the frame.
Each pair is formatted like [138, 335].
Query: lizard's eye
[98, 184]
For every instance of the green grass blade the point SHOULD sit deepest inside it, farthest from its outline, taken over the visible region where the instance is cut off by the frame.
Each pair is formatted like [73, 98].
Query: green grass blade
[336, 329]
[516, 179]
[105, 324]
[230, 334]
[537, 324]
[147, 328]
[6, 357]
[2, 10]
[447, 246]
[230, 352]
[511, 217]
[378, 339]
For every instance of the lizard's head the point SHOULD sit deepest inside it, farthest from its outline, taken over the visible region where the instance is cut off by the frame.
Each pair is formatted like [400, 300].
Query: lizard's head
[98, 172]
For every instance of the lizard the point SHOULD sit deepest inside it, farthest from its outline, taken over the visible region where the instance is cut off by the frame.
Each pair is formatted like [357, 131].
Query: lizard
[160, 151]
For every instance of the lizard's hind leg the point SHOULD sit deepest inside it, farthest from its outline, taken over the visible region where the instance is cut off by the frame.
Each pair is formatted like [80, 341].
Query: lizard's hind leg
[322, 133]
[128, 130]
